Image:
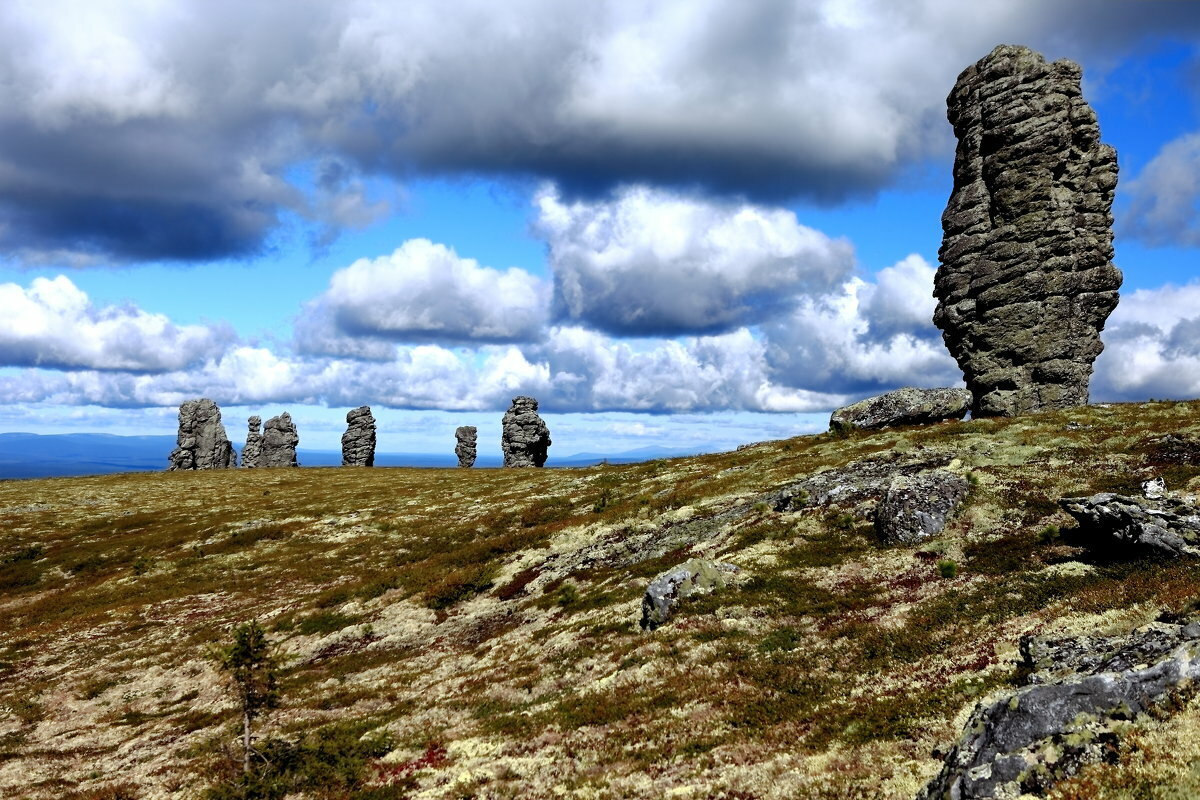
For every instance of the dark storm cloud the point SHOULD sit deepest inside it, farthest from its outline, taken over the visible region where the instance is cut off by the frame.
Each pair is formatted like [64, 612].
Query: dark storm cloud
[171, 132]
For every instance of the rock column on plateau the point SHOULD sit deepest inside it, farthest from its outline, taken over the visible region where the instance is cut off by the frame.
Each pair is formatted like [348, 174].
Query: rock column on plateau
[201, 442]
[1026, 279]
[358, 442]
[279, 442]
[465, 438]
[525, 437]
[253, 449]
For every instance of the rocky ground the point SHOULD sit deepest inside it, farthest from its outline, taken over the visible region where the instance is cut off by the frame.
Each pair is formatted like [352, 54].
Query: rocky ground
[474, 633]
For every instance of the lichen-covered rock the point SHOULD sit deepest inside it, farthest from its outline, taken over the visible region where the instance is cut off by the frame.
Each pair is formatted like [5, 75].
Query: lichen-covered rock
[358, 442]
[856, 487]
[465, 438]
[279, 442]
[1026, 280]
[524, 437]
[201, 442]
[694, 577]
[916, 507]
[1025, 740]
[907, 406]
[1166, 524]
[253, 449]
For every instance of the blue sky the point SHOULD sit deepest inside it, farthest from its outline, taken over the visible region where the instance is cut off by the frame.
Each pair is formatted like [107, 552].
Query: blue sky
[679, 224]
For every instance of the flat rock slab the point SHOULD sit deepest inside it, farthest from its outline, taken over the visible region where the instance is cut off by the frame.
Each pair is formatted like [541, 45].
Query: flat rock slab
[906, 406]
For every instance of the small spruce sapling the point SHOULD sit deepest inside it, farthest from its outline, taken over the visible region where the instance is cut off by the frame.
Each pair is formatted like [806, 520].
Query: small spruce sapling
[252, 672]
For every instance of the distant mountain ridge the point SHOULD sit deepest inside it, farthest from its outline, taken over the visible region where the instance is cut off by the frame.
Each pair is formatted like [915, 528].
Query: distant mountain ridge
[34, 455]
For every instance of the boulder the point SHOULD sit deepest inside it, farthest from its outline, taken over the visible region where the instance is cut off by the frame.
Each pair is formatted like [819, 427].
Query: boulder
[358, 442]
[1166, 524]
[279, 442]
[1024, 740]
[465, 437]
[908, 406]
[916, 507]
[694, 577]
[252, 452]
[1026, 280]
[201, 442]
[524, 437]
[857, 486]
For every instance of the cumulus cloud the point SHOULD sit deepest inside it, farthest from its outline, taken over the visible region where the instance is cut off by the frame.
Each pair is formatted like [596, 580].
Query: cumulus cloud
[138, 131]
[1164, 199]
[1150, 346]
[653, 262]
[54, 324]
[866, 337]
[423, 291]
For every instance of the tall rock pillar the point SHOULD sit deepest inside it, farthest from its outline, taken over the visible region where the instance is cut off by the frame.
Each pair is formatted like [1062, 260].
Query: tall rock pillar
[358, 442]
[201, 442]
[1026, 278]
[524, 437]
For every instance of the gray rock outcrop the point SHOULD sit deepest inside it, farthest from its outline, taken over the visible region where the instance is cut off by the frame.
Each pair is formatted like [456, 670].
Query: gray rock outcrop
[358, 442]
[279, 442]
[1026, 280]
[907, 406]
[201, 442]
[524, 437]
[856, 487]
[694, 577]
[1165, 523]
[465, 438]
[917, 507]
[1023, 741]
[253, 449]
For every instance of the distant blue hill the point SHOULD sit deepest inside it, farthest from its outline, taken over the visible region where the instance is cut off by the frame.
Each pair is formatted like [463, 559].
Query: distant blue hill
[32, 455]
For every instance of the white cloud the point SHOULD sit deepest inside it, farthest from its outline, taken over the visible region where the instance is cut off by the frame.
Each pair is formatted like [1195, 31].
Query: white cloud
[422, 292]
[652, 262]
[864, 338]
[54, 324]
[146, 130]
[1164, 199]
[1151, 346]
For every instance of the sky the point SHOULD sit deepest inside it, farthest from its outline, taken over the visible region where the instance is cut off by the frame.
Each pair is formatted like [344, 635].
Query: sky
[687, 224]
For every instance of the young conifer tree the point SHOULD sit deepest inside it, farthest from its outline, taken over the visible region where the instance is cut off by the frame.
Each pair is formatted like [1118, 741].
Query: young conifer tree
[252, 672]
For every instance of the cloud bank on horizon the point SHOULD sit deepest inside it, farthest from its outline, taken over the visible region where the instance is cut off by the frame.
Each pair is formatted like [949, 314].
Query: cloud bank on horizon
[660, 146]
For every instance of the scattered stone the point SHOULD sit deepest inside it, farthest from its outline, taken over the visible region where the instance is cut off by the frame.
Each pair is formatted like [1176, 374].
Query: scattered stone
[694, 577]
[908, 406]
[465, 437]
[525, 437]
[1026, 280]
[1023, 741]
[279, 442]
[1154, 489]
[1168, 525]
[252, 452]
[358, 442]
[201, 442]
[916, 507]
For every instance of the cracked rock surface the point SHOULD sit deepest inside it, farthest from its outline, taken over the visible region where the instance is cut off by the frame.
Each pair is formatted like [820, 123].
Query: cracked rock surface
[201, 442]
[279, 442]
[1026, 280]
[465, 438]
[524, 437]
[358, 442]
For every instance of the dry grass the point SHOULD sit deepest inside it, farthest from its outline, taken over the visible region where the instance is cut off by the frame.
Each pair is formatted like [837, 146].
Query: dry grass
[479, 627]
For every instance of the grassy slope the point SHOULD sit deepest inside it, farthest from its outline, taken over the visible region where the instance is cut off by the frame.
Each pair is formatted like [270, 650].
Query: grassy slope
[487, 620]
